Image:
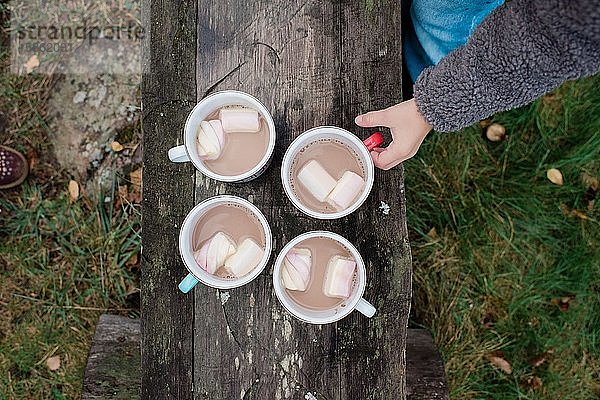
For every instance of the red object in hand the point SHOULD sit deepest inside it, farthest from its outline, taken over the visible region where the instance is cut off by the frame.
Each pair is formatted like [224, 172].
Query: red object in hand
[373, 141]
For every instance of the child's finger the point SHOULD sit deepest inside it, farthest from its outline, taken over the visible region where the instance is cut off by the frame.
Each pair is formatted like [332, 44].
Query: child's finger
[373, 118]
[383, 159]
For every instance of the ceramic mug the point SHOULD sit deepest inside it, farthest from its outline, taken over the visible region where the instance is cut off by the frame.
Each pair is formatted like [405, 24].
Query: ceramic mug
[186, 246]
[189, 152]
[360, 149]
[354, 302]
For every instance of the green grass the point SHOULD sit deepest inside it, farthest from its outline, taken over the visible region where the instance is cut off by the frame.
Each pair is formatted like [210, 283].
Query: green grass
[506, 244]
[62, 262]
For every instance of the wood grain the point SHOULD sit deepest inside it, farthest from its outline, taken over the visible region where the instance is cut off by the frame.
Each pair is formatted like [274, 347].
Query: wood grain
[311, 63]
[168, 94]
[425, 375]
[113, 366]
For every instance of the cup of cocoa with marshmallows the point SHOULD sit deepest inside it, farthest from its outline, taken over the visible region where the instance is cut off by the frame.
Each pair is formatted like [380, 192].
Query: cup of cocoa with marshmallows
[327, 172]
[319, 277]
[228, 136]
[224, 242]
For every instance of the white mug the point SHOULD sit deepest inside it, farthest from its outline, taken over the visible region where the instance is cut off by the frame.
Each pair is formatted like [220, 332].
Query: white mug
[362, 149]
[186, 246]
[189, 152]
[354, 302]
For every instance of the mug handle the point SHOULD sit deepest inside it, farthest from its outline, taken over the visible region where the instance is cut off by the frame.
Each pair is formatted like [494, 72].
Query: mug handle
[188, 283]
[365, 308]
[178, 154]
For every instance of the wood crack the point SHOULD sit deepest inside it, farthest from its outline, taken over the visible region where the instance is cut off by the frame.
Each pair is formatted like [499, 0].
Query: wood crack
[217, 83]
[229, 328]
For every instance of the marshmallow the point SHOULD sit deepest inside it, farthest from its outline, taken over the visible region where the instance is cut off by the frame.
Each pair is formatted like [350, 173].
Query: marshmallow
[295, 272]
[240, 120]
[338, 277]
[211, 140]
[214, 252]
[318, 181]
[245, 259]
[346, 190]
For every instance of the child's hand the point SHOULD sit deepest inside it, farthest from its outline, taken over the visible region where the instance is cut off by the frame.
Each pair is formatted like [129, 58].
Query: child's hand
[408, 128]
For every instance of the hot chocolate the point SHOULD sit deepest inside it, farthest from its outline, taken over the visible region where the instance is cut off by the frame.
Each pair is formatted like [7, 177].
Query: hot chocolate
[233, 140]
[327, 175]
[310, 288]
[228, 241]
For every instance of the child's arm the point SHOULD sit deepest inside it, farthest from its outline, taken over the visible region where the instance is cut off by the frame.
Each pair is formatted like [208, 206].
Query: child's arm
[519, 52]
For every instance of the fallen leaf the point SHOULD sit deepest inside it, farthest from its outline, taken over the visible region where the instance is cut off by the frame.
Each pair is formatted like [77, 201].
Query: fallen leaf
[573, 213]
[136, 177]
[590, 181]
[432, 233]
[53, 363]
[116, 146]
[579, 214]
[563, 303]
[133, 260]
[32, 158]
[500, 363]
[484, 123]
[555, 176]
[589, 197]
[123, 191]
[488, 321]
[495, 132]
[32, 63]
[135, 197]
[542, 358]
[73, 190]
[534, 382]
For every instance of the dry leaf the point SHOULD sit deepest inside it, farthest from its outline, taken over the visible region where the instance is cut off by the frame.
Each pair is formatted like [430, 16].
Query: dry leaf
[32, 63]
[555, 176]
[432, 233]
[590, 181]
[495, 132]
[488, 321]
[484, 123]
[589, 197]
[501, 363]
[123, 191]
[542, 358]
[573, 213]
[116, 146]
[133, 260]
[53, 363]
[135, 197]
[534, 382]
[136, 177]
[579, 214]
[73, 190]
[563, 303]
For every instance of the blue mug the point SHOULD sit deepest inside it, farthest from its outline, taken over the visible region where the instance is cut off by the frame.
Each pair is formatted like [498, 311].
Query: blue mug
[186, 246]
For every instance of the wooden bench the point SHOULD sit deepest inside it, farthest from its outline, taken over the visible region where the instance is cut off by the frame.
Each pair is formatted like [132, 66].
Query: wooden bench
[113, 368]
[311, 63]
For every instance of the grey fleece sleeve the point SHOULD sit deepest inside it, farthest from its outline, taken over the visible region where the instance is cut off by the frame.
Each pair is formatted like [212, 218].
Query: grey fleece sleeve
[519, 52]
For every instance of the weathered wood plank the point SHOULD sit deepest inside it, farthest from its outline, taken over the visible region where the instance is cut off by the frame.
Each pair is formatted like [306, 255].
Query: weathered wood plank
[371, 79]
[113, 367]
[287, 57]
[168, 94]
[425, 375]
[311, 64]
